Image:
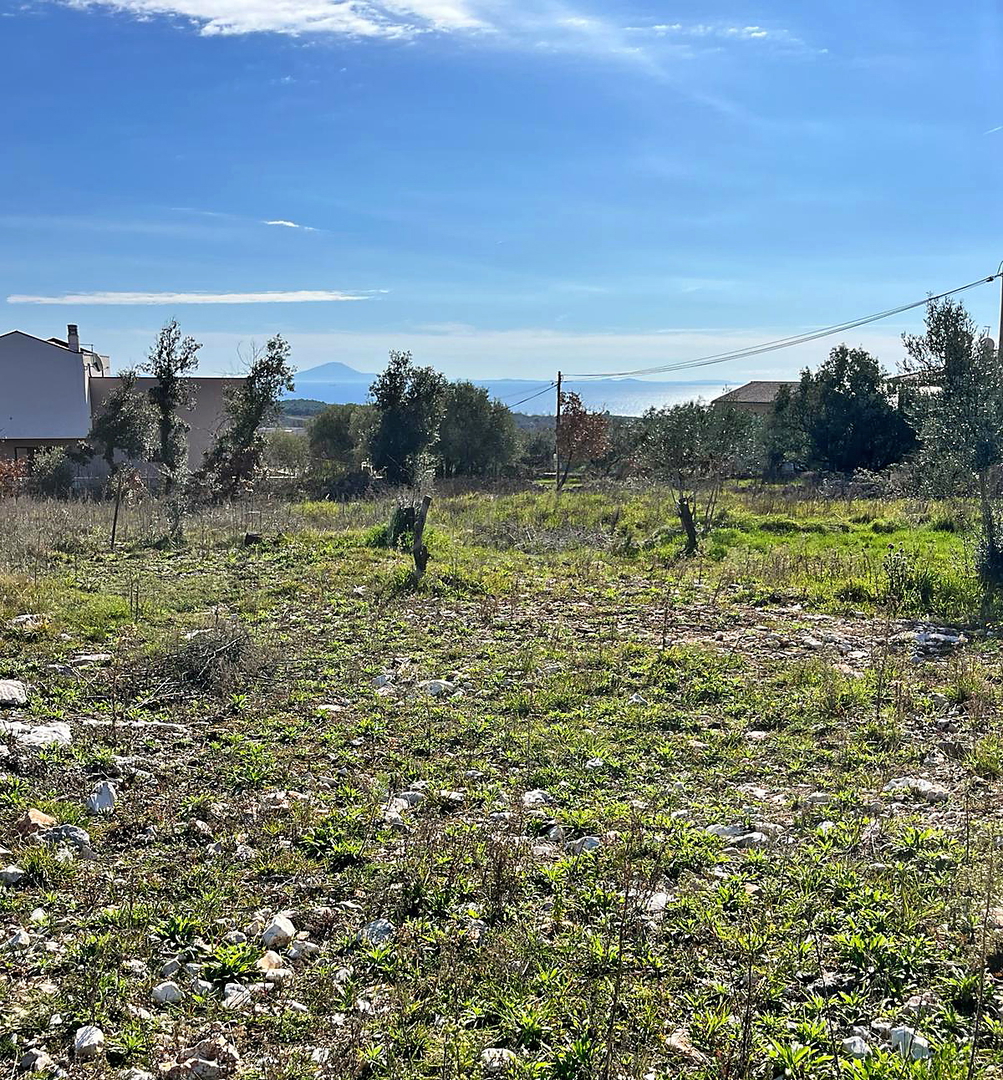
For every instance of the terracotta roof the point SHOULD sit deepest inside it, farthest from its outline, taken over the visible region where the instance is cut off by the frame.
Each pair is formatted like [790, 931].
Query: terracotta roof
[759, 392]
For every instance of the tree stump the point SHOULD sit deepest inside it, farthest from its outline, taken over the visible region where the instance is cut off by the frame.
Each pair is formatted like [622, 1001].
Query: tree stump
[418, 550]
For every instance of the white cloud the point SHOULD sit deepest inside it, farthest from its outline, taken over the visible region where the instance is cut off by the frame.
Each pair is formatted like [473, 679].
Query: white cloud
[355, 18]
[723, 32]
[289, 225]
[993, 130]
[134, 298]
[550, 25]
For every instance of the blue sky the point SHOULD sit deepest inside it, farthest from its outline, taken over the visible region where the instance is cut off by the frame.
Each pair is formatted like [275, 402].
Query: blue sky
[504, 186]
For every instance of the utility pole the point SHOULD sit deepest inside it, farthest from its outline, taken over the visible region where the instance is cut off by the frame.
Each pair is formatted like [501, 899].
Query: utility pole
[557, 433]
[999, 339]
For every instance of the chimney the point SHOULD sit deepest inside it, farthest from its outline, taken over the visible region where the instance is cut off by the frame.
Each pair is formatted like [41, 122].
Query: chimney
[73, 338]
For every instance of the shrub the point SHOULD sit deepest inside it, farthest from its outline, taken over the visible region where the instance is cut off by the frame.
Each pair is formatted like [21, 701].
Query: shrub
[52, 474]
[884, 526]
[328, 480]
[13, 477]
[216, 660]
[950, 522]
[399, 533]
[989, 554]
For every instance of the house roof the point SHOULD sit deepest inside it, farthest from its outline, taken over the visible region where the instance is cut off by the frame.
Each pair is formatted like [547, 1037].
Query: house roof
[85, 350]
[34, 337]
[758, 392]
[916, 378]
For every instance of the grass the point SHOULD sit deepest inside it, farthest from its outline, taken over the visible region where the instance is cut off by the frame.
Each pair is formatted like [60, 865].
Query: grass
[649, 697]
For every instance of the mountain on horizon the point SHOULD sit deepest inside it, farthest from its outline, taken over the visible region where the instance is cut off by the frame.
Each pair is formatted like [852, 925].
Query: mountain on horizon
[338, 384]
[336, 372]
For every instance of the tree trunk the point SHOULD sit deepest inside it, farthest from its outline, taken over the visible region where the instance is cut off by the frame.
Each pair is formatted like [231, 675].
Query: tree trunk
[118, 504]
[418, 550]
[986, 506]
[689, 525]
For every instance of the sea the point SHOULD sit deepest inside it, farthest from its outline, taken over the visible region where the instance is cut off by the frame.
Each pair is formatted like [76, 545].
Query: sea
[621, 397]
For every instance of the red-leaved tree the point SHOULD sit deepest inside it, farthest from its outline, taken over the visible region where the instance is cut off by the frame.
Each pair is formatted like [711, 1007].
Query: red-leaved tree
[582, 436]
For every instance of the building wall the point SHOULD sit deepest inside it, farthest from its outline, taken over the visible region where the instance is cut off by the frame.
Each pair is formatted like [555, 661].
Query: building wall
[204, 419]
[48, 396]
[43, 392]
[25, 449]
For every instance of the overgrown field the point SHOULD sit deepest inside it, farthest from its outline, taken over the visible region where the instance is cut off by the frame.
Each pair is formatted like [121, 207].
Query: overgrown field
[572, 807]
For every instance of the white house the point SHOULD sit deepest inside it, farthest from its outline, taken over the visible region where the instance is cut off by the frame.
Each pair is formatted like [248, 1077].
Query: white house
[50, 391]
[45, 391]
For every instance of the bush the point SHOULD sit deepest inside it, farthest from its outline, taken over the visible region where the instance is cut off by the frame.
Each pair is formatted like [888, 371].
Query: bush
[950, 522]
[989, 554]
[215, 660]
[399, 533]
[328, 480]
[13, 477]
[884, 526]
[52, 474]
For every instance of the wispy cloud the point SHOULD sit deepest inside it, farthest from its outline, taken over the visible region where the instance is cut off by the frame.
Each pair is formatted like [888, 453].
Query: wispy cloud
[278, 223]
[993, 130]
[576, 28]
[136, 298]
[744, 33]
[355, 18]
[552, 25]
[721, 33]
[289, 225]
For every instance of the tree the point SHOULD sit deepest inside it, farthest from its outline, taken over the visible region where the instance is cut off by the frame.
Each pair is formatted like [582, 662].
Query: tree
[52, 473]
[408, 402]
[476, 435]
[330, 435]
[365, 421]
[781, 439]
[841, 417]
[693, 446]
[124, 425]
[536, 449]
[234, 458]
[622, 447]
[287, 451]
[171, 361]
[582, 436]
[959, 410]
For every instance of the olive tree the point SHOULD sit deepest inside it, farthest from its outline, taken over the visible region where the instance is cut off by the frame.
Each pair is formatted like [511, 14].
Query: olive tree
[694, 446]
[171, 362]
[235, 456]
[123, 426]
[408, 403]
[958, 406]
[476, 435]
[330, 435]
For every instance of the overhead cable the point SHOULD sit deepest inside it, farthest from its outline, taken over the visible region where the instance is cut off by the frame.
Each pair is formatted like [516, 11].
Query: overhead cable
[783, 343]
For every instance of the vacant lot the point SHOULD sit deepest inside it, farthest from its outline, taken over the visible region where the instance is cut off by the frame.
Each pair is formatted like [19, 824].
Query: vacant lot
[571, 808]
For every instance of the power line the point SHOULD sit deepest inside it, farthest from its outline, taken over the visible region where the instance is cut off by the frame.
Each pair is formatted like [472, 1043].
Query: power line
[538, 393]
[515, 393]
[784, 343]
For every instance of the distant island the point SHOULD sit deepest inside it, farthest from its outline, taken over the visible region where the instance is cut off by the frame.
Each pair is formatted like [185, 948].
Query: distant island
[338, 384]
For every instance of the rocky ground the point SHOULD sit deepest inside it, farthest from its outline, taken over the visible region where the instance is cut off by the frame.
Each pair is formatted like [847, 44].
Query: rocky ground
[265, 814]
